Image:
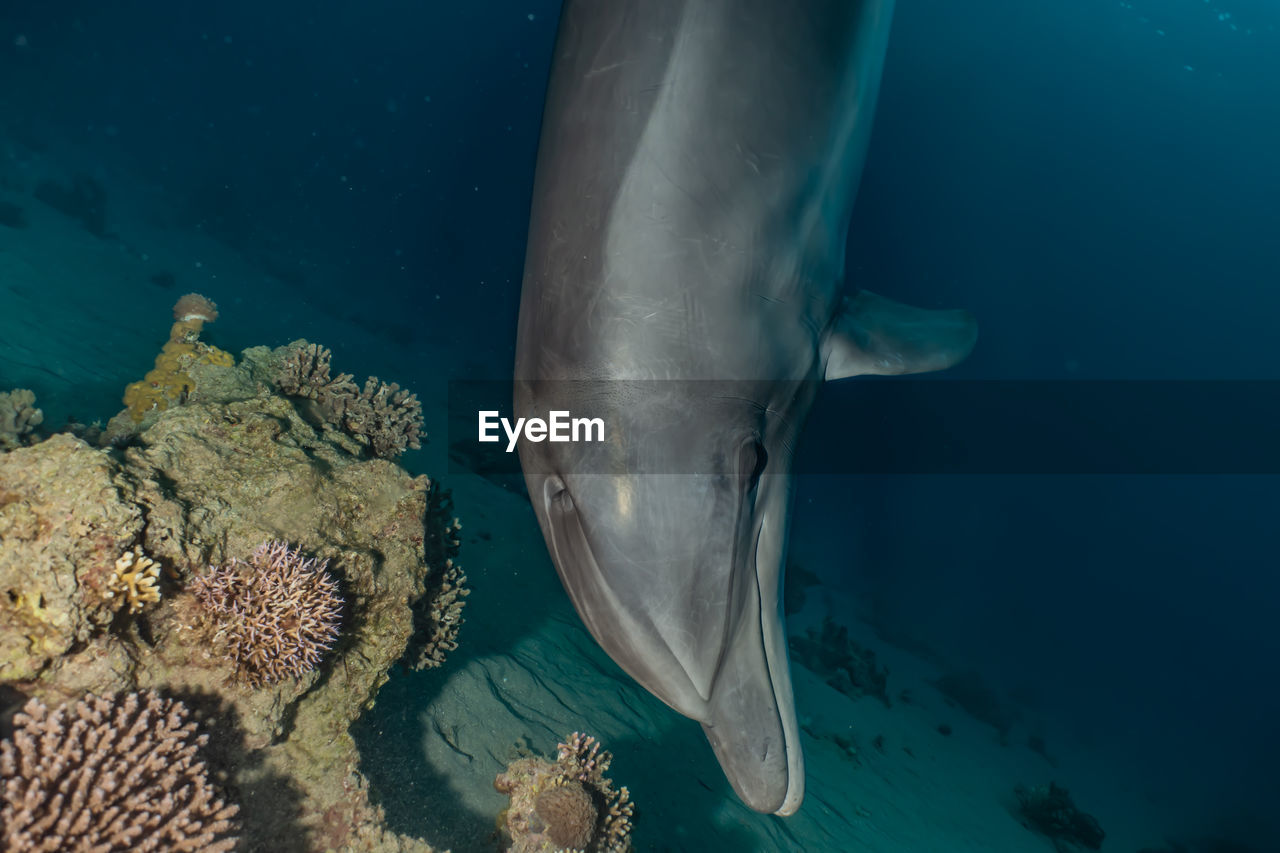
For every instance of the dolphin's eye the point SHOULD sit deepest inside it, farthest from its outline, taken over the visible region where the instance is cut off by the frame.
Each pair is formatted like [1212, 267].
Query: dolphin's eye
[752, 463]
[563, 500]
[556, 495]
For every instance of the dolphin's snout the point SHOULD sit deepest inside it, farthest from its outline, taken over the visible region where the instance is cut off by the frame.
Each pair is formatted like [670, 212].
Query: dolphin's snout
[705, 645]
[746, 730]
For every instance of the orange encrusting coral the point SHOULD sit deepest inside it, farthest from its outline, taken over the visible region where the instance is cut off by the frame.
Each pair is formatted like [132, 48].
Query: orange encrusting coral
[168, 382]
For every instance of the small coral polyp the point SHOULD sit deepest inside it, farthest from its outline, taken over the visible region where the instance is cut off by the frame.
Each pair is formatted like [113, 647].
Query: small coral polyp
[275, 615]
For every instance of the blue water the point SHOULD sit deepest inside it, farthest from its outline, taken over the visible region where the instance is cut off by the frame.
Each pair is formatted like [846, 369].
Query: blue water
[1097, 181]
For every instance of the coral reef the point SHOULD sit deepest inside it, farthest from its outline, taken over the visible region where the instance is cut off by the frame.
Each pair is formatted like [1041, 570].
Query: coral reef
[169, 382]
[841, 662]
[384, 418]
[63, 524]
[107, 774]
[565, 805]
[135, 580]
[438, 614]
[441, 613]
[796, 580]
[274, 614]
[305, 372]
[1048, 809]
[201, 485]
[19, 418]
[978, 700]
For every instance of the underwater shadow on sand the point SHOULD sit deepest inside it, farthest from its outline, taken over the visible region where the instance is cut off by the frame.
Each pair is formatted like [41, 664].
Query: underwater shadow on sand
[683, 801]
[677, 766]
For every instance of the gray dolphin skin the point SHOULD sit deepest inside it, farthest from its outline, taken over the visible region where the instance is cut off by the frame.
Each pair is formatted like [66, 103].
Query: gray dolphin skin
[695, 184]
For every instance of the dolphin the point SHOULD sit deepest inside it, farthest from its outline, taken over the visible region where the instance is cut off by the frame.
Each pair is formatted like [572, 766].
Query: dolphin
[694, 186]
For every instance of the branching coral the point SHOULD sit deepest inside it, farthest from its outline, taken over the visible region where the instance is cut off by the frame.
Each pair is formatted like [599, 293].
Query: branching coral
[109, 774]
[840, 661]
[19, 418]
[437, 615]
[275, 614]
[981, 701]
[385, 418]
[581, 757]
[306, 373]
[169, 382]
[568, 804]
[444, 618]
[134, 581]
[1050, 811]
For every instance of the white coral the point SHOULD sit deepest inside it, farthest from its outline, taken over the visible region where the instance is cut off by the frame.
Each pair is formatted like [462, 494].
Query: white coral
[136, 578]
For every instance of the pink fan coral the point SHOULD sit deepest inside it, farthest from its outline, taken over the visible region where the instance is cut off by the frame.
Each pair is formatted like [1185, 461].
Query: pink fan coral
[275, 614]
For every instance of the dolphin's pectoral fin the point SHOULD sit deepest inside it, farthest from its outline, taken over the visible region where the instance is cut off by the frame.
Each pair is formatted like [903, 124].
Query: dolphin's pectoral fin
[874, 335]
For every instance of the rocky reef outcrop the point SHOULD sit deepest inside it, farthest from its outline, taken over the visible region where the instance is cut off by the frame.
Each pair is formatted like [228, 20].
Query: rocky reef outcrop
[199, 485]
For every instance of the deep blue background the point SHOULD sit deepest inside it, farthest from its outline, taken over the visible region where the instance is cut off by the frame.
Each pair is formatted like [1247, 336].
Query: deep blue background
[1107, 213]
[1104, 197]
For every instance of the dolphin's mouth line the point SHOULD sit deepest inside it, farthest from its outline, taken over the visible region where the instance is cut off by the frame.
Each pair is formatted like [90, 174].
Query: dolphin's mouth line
[762, 616]
[777, 665]
[742, 561]
[628, 629]
[746, 569]
[751, 658]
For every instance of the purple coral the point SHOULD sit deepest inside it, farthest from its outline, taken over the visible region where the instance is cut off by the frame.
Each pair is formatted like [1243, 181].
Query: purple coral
[275, 614]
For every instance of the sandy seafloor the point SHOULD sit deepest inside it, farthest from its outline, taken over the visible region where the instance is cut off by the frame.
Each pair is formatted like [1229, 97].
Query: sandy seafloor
[80, 317]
